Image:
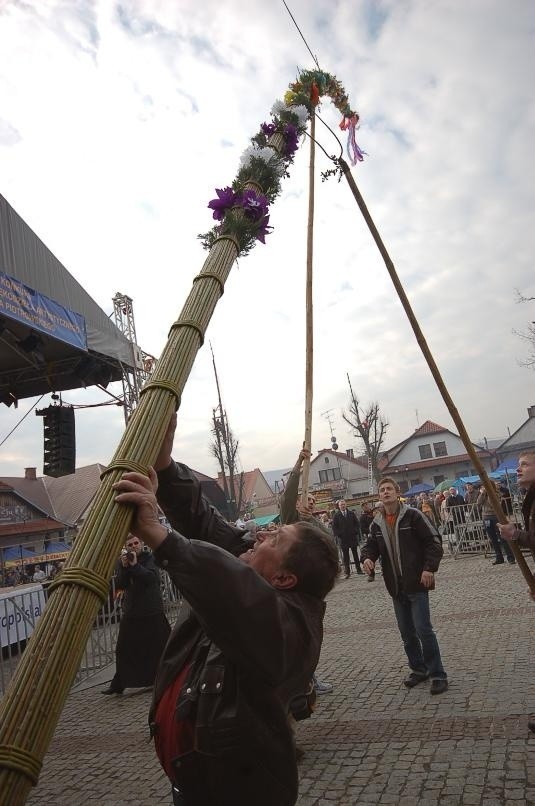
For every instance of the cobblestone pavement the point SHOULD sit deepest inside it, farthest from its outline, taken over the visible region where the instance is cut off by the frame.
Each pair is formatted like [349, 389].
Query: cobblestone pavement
[371, 741]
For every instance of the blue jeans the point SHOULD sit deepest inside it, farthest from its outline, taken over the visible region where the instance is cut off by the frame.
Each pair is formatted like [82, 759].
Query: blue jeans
[419, 639]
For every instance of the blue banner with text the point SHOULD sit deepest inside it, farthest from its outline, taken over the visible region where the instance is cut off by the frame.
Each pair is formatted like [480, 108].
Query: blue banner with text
[21, 303]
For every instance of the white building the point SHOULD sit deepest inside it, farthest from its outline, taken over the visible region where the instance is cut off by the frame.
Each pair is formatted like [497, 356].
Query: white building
[340, 473]
[431, 455]
[522, 438]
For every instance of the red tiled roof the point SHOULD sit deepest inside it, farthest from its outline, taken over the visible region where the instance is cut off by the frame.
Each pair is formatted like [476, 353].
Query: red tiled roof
[436, 462]
[362, 461]
[429, 427]
[249, 483]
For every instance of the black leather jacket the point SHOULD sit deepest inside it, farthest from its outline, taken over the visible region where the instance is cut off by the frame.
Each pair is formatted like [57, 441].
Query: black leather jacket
[420, 549]
[251, 649]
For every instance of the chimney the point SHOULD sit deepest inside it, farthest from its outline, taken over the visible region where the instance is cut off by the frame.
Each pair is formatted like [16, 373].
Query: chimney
[349, 452]
[531, 411]
[30, 473]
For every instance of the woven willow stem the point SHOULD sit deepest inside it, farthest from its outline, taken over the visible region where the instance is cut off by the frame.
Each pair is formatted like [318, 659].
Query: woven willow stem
[309, 377]
[471, 451]
[32, 704]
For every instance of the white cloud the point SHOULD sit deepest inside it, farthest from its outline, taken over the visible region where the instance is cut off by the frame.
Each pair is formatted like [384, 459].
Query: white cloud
[118, 121]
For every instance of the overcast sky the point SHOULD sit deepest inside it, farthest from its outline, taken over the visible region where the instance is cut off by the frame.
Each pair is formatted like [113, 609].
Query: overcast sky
[118, 121]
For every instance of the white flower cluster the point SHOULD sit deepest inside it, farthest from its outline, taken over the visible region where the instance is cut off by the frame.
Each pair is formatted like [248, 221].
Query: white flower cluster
[301, 111]
[267, 154]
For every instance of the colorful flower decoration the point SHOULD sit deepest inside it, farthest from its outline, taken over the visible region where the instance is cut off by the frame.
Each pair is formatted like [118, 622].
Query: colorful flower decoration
[240, 210]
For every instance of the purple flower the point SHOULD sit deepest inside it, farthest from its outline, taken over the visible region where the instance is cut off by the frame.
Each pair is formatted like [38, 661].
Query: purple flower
[268, 129]
[263, 229]
[291, 140]
[226, 199]
[254, 206]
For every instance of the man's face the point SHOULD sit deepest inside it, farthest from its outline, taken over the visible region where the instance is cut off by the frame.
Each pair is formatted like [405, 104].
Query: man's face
[453, 491]
[311, 501]
[268, 554]
[342, 505]
[134, 544]
[388, 493]
[526, 470]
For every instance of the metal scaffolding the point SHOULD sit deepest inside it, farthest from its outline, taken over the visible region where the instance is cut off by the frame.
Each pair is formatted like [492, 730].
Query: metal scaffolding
[144, 364]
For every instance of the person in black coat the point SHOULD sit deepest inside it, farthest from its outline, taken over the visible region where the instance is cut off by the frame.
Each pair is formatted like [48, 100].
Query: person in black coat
[144, 628]
[346, 529]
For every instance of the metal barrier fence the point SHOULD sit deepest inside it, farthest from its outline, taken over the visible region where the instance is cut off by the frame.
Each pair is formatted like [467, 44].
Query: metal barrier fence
[20, 608]
[464, 529]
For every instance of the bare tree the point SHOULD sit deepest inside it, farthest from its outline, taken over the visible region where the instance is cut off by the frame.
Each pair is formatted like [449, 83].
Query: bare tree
[225, 449]
[527, 335]
[370, 426]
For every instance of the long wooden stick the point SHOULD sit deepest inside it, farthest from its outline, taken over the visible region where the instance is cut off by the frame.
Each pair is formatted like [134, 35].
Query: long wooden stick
[489, 486]
[309, 379]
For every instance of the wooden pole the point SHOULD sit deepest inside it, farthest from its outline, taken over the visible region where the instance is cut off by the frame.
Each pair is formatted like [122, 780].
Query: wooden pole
[309, 375]
[489, 487]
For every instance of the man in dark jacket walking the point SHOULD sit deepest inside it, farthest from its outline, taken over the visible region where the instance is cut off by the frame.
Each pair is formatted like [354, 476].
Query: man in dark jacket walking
[245, 644]
[346, 528]
[410, 550]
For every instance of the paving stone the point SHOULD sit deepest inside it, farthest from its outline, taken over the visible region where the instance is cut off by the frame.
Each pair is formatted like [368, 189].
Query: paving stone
[372, 741]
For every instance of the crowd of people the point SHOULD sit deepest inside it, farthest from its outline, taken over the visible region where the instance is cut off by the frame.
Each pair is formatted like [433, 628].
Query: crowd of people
[21, 574]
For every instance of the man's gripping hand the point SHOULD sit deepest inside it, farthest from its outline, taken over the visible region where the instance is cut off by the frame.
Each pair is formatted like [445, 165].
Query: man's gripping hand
[140, 491]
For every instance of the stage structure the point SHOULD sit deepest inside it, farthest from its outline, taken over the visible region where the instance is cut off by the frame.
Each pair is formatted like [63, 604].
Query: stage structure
[53, 335]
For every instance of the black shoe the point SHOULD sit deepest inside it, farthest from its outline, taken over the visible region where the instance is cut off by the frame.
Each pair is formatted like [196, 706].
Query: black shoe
[512, 561]
[439, 686]
[112, 690]
[531, 724]
[414, 679]
[498, 562]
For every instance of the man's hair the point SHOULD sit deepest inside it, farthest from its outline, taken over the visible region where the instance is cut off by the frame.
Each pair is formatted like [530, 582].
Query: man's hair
[313, 558]
[388, 480]
[527, 452]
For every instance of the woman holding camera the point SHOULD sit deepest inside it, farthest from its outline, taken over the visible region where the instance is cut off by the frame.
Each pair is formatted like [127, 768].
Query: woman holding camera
[144, 629]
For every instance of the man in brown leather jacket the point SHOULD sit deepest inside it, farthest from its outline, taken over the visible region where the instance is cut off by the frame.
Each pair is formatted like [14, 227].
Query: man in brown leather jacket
[526, 536]
[245, 644]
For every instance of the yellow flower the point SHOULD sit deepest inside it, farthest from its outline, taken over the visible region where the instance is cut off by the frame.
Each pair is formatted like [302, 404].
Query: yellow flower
[289, 97]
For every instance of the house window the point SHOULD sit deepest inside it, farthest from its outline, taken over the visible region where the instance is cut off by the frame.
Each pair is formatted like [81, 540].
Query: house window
[425, 451]
[440, 448]
[332, 474]
[438, 479]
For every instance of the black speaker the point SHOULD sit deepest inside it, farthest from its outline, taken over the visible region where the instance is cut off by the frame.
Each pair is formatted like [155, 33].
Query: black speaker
[59, 440]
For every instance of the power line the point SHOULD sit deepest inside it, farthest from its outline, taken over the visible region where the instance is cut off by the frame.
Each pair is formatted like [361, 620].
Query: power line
[21, 420]
[301, 35]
